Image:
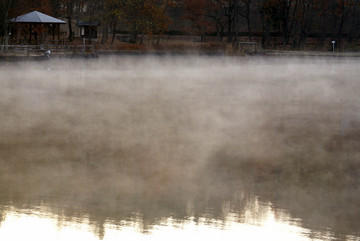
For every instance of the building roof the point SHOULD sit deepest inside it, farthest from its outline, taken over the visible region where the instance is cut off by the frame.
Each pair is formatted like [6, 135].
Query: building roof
[36, 17]
[85, 23]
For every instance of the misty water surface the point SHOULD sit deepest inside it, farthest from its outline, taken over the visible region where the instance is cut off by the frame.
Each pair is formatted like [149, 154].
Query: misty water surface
[159, 148]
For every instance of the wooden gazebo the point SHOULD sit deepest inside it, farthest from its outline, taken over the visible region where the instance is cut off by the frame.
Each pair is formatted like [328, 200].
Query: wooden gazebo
[35, 27]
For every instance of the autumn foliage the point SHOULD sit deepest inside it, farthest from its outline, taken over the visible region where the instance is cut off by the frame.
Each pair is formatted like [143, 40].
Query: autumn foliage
[285, 22]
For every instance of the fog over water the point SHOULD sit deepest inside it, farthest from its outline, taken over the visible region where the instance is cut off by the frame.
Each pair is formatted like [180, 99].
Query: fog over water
[176, 141]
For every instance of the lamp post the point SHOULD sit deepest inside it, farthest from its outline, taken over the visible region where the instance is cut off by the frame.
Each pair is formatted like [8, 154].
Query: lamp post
[333, 45]
[7, 41]
[82, 33]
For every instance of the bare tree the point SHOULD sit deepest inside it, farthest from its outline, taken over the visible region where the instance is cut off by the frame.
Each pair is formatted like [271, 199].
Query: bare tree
[5, 6]
[245, 12]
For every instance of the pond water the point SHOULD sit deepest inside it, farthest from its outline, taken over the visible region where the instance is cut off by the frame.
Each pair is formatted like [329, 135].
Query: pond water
[258, 222]
[180, 148]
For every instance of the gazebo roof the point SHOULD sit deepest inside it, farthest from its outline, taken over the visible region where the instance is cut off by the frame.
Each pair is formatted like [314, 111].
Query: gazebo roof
[36, 17]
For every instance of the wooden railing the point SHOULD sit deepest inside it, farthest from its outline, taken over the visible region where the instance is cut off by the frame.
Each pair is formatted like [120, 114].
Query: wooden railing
[27, 50]
[249, 47]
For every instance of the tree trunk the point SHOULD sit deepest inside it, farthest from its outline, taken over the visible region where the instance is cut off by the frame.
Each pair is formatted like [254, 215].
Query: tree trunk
[249, 29]
[230, 20]
[341, 26]
[220, 32]
[248, 16]
[265, 30]
[105, 33]
[70, 28]
[230, 29]
[5, 33]
[293, 29]
[285, 8]
[113, 32]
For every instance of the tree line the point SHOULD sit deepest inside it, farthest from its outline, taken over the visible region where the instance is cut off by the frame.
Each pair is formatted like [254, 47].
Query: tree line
[292, 22]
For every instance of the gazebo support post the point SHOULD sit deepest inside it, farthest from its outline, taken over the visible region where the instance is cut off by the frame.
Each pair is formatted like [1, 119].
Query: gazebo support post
[58, 31]
[53, 31]
[30, 32]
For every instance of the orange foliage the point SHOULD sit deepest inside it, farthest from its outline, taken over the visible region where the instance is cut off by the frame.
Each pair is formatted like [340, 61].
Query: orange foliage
[26, 6]
[144, 16]
[197, 12]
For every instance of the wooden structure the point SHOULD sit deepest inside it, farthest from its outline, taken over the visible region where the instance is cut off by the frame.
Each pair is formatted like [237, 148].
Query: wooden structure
[88, 30]
[35, 27]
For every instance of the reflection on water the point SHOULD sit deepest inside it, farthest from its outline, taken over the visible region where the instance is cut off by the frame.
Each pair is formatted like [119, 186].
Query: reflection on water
[168, 148]
[259, 222]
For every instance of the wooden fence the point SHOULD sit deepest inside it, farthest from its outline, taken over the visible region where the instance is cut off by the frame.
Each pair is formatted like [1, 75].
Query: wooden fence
[38, 50]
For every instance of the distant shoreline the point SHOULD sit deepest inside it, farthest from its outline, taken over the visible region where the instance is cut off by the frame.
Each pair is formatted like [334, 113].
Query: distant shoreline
[104, 53]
